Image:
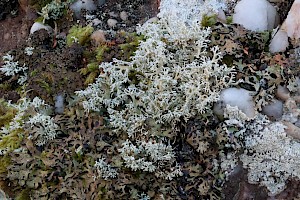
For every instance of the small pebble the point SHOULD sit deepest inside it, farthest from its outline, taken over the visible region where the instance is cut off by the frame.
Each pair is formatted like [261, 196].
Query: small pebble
[282, 93]
[124, 15]
[6, 36]
[113, 14]
[274, 110]
[292, 130]
[96, 22]
[98, 37]
[38, 26]
[112, 23]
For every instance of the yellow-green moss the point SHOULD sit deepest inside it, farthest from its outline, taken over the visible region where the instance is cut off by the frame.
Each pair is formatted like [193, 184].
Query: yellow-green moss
[229, 20]
[5, 162]
[100, 51]
[79, 33]
[12, 140]
[6, 113]
[24, 195]
[209, 20]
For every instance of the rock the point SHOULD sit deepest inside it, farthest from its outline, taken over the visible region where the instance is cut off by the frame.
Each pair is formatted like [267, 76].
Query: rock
[256, 15]
[282, 93]
[113, 14]
[292, 130]
[274, 110]
[38, 26]
[7, 36]
[98, 37]
[279, 42]
[79, 5]
[59, 104]
[96, 22]
[124, 15]
[152, 20]
[289, 28]
[292, 22]
[112, 23]
[100, 2]
[221, 15]
[235, 97]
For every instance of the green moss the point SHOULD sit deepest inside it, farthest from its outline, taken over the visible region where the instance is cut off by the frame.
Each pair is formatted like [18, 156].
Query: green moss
[132, 41]
[228, 60]
[12, 140]
[5, 86]
[24, 195]
[45, 85]
[79, 33]
[229, 20]
[92, 71]
[100, 52]
[5, 162]
[6, 113]
[208, 21]
[33, 73]
[39, 19]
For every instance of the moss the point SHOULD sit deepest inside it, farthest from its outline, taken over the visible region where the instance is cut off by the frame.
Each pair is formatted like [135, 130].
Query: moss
[100, 52]
[208, 21]
[24, 195]
[5, 86]
[229, 20]
[5, 162]
[82, 34]
[6, 113]
[132, 41]
[45, 85]
[228, 60]
[92, 72]
[12, 140]
[33, 73]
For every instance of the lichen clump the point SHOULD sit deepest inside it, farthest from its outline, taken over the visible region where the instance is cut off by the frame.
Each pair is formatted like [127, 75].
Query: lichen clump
[171, 77]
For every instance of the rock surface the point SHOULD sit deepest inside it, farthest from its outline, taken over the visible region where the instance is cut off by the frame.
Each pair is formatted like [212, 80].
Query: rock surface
[256, 15]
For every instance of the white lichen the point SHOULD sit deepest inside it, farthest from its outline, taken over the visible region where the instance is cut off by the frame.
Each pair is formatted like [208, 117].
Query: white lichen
[150, 156]
[170, 77]
[11, 67]
[269, 155]
[105, 170]
[33, 113]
